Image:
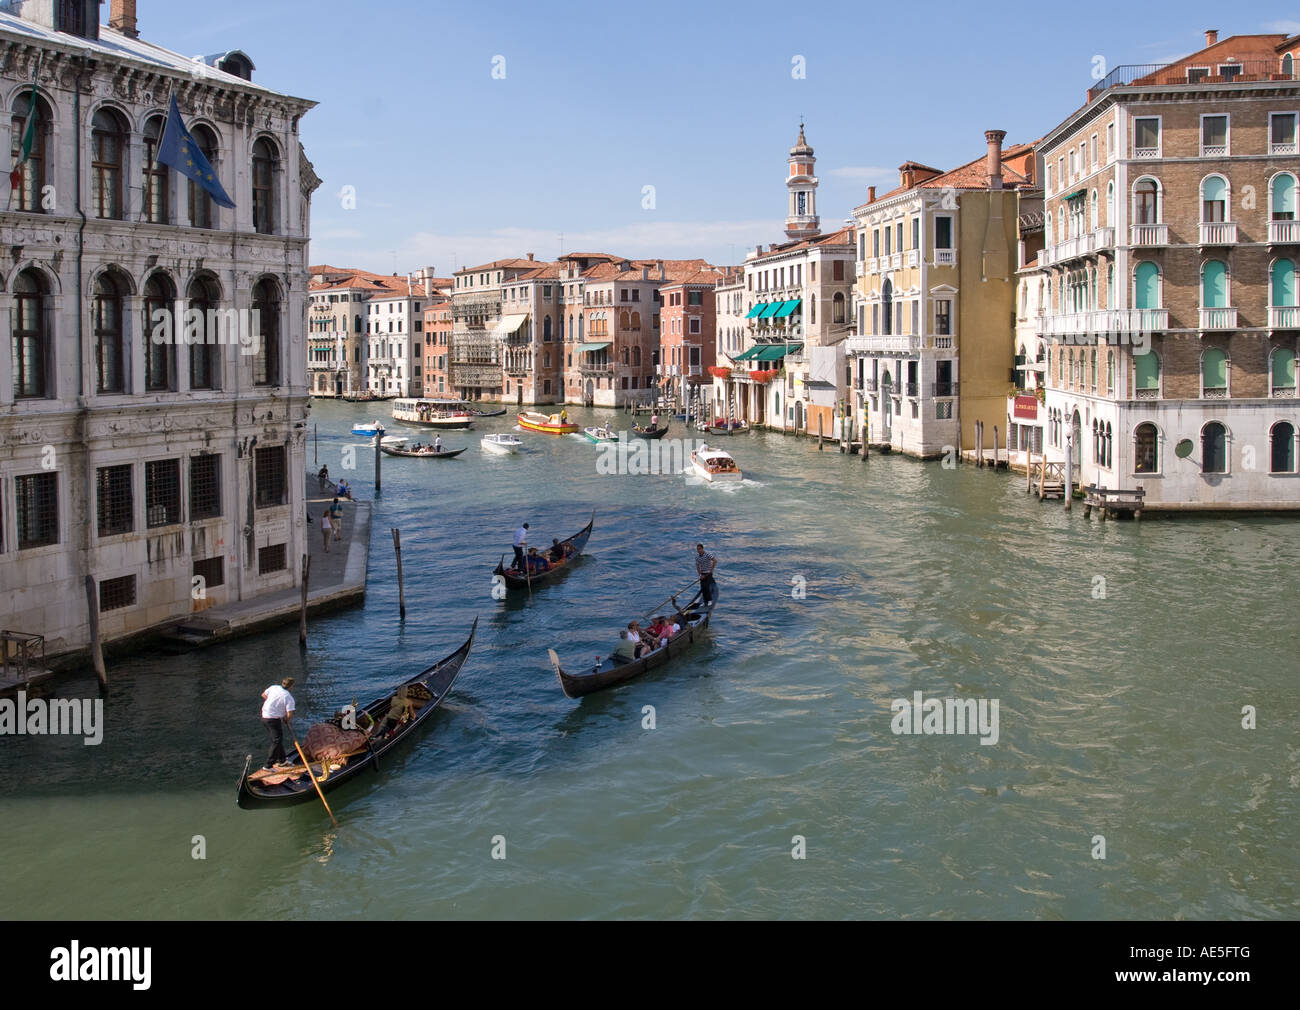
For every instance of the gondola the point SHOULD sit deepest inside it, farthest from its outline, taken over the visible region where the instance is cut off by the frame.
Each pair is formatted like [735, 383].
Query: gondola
[649, 433]
[291, 784]
[517, 580]
[614, 671]
[391, 450]
[727, 428]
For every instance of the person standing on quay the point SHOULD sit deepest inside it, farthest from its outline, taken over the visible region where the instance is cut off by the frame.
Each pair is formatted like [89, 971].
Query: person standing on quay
[704, 564]
[336, 519]
[326, 529]
[521, 541]
[277, 709]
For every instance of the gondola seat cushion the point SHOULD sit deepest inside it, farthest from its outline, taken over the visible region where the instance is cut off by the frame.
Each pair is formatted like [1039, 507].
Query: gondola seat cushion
[327, 742]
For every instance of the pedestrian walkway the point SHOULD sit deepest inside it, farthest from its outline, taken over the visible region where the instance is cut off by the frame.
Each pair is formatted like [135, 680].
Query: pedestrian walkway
[337, 579]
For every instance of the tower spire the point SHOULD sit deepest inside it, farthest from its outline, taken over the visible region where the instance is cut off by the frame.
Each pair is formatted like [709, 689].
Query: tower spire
[801, 218]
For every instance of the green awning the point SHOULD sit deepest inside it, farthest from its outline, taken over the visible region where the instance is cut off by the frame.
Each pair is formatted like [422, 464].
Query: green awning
[748, 355]
[1075, 195]
[770, 310]
[787, 308]
[758, 307]
[588, 348]
[775, 352]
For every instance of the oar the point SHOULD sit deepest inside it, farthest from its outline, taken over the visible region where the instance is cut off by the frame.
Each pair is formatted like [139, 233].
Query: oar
[673, 597]
[307, 764]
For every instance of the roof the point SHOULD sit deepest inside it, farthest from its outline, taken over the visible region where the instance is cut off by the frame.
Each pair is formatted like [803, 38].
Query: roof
[1234, 49]
[842, 237]
[511, 261]
[972, 175]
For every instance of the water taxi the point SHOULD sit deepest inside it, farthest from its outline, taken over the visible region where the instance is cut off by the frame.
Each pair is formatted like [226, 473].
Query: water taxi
[605, 434]
[714, 465]
[502, 444]
[368, 430]
[432, 413]
[548, 424]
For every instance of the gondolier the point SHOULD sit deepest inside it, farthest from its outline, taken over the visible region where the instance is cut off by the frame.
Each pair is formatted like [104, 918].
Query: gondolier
[704, 564]
[520, 542]
[277, 708]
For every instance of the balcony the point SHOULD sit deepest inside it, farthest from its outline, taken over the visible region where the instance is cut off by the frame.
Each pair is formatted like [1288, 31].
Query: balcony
[695, 370]
[1103, 322]
[868, 385]
[913, 258]
[911, 389]
[943, 389]
[945, 257]
[596, 368]
[859, 268]
[892, 344]
[1214, 392]
[1284, 232]
[1149, 235]
[1175, 74]
[1283, 317]
[1146, 153]
[943, 343]
[1101, 238]
[1219, 319]
[896, 261]
[1218, 233]
[873, 265]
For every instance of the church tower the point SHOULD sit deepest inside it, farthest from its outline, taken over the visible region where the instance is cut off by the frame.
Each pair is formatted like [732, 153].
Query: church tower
[801, 221]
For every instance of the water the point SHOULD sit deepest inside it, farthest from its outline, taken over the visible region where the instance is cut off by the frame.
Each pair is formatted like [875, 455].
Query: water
[1119, 717]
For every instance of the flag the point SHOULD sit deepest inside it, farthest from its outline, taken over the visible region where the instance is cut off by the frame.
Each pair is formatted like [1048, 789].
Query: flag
[179, 150]
[29, 137]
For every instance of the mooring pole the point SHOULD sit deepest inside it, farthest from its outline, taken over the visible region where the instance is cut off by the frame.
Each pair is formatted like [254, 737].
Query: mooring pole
[819, 431]
[302, 606]
[378, 483]
[96, 648]
[316, 441]
[864, 441]
[401, 591]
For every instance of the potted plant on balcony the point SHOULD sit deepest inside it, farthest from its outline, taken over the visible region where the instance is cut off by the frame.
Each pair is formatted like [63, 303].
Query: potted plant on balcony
[1041, 393]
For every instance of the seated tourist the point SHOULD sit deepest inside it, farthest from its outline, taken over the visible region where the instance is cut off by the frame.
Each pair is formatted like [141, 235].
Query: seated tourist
[536, 563]
[557, 550]
[628, 644]
[661, 631]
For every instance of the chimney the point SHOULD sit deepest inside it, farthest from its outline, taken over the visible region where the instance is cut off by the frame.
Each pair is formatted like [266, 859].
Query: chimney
[530, 256]
[645, 273]
[871, 194]
[428, 286]
[121, 15]
[1211, 34]
[905, 177]
[994, 160]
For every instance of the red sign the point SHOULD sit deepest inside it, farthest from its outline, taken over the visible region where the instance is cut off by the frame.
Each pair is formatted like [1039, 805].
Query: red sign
[1026, 407]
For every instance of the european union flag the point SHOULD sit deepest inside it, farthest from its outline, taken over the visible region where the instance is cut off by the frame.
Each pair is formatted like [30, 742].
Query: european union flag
[179, 150]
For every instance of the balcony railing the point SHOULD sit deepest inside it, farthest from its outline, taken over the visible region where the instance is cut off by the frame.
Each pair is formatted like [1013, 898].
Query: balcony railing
[896, 261]
[943, 389]
[1284, 232]
[1283, 317]
[873, 264]
[945, 257]
[943, 343]
[1103, 321]
[1169, 74]
[913, 258]
[1214, 392]
[1101, 238]
[1214, 150]
[1283, 392]
[1218, 233]
[1146, 394]
[1219, 319]
[1149, 234]
[858, 268]
[883, 344]
[912, 389]
[869, 385]
[596, 369]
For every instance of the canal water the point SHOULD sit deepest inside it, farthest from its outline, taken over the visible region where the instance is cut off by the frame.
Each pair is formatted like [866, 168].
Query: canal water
[1122, 783]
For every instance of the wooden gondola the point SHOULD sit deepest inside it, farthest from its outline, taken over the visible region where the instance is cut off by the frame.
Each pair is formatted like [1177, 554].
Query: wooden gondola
[390, 450]
[291, 784]
[649, 433]
[614, 670]
[517, 580]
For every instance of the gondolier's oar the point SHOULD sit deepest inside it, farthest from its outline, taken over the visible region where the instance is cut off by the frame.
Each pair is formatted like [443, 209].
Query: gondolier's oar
[307, 764]
[673, 597]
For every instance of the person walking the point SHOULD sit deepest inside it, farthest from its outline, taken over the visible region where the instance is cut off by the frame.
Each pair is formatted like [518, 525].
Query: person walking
[521, 541]
[277, 709]
[326, 529]
[704, 564]
[336, 518]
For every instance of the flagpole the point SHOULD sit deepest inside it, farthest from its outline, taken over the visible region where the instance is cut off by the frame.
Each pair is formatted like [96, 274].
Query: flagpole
[31, 115]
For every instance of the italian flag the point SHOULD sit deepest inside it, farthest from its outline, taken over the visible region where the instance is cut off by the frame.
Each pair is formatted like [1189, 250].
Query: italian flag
[29, 138]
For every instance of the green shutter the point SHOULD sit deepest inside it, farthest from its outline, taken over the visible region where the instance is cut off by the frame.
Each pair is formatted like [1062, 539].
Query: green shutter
[1214, 369]
[1283, 283]
[1284, 195]
[1283, 368]
[1148, 286]
[1214, 285]
[1148, 370]
[1214, 188]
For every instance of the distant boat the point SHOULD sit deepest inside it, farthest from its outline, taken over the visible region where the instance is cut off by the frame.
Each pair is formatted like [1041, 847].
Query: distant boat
[605, 434]
[433, 413]
[649, 433]
[727, 427]
[502, 444]
[547, 424]
[423, 452]
[462, 407]
[715, 466]
[368, 430]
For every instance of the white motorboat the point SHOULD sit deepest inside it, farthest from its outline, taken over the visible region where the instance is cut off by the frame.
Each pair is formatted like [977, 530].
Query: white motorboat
[714, 465]
[369, 430]
[502, 444]
[394, 441]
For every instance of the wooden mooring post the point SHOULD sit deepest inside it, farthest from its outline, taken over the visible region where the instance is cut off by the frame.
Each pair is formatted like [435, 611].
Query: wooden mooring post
[302, 606]
[378, 456]
[864, 441]
[819, 431]
[401, 591]
[96, 646]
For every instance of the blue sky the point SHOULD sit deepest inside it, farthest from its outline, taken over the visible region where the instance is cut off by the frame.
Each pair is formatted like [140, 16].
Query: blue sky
[452, 167]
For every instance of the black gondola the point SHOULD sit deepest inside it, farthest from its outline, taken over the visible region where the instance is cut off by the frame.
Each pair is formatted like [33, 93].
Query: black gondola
[389, 450]
[614, 671]
[649, 433]
[291, 784]
[518, 580]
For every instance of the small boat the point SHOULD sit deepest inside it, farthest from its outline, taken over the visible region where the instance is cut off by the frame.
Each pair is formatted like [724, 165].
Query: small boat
[516, 579]
[396, 441]
[369, 430]
[432, 414]
[292, 782]
[605, 434]
[724, 427]
[614, 670]
[649, 433]
[419, 452]
[549, 424]
[714, 465]
[470, 407]
[502, 444]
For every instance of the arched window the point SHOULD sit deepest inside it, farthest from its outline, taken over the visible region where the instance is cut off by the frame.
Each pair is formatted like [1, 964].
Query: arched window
[1282, 372]
[1146, 202]
[205, 298]
[108, 154]
[1282, 448]
[156, 205]
[27, 194]
[1092, 370]
[1146, 285]
[625, 356]
[266, 311]
[1214, 373]
[838, 308]
[886, 307]
[1048, 230]
[32, 343]
[1214, 448]
[356, 324]
[1094, 211]
[1146, 376]
[106, 320]
[161, 332]
[636, 357]
[624, 320]
[1110, 373]
[1288, 65]
[1281, 197]
[1214, 199]
[1110, 285]
[1146, 449]
[1110, 447]
[266, 166]
[1110, 204]
[1214, 284]
[1096, 441]
[636, 321]
[202, 210]
[1283, 289]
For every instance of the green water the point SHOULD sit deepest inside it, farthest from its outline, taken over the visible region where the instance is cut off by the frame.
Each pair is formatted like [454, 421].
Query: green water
[1119, 716]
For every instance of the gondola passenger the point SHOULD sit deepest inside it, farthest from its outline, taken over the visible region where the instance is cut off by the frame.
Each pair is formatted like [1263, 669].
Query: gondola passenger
[557, 551]
[536, 563]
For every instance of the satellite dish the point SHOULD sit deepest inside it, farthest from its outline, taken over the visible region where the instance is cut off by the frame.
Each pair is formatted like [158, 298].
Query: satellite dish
[1184, 448]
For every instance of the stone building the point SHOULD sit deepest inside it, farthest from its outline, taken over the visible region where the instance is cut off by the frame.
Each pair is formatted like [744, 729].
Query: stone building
[153, 393]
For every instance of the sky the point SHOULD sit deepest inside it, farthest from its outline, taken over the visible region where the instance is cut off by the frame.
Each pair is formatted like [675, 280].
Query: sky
[449, 135]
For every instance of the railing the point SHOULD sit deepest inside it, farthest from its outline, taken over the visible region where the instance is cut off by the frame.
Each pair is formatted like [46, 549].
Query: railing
[1214, 150]
[896, 261]
[869, 385]
[1101, 238]
[695, 369]
[1219, 319]
[943, 389]
[943, 343]
[1146, 152]
[1149, 234]
[945, 257]
[1168, 74]
[1288, 147]
[1214, 393]
[1283, 392]
[592, 369]
[1103, 321]
[913, 258]
[1284, 317]
[1147, 394]
[1218, 233]
[912, 389]
[1284, 232]
[883, 344]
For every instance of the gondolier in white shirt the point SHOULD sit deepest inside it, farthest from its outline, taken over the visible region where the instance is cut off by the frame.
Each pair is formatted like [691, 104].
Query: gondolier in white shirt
[521, 541]
[277, 708]
[704, 564]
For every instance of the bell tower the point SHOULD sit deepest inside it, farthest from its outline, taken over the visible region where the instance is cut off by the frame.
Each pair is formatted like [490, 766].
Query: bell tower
[801, 218]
